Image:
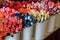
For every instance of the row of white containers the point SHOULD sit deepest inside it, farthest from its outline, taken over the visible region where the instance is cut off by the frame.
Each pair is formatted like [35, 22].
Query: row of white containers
[38, 30]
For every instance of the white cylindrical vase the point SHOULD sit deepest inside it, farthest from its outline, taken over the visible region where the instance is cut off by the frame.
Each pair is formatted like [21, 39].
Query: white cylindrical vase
[40, 30]
[57, 20]
[15, 37]
[51, 24]
[27, 33]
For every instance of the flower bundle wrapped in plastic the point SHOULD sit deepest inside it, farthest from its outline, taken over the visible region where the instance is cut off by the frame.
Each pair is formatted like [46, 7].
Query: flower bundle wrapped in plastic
[39, 15]
[52, 8]
[47, 5]
[28, 20]
[10, 22]
[17, 5]
[58, 6]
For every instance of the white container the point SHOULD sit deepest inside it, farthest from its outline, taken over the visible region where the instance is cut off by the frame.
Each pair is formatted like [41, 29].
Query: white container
[27, 33]
[51, 24]
[57, 20]
[15, 37]
[40, 30]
